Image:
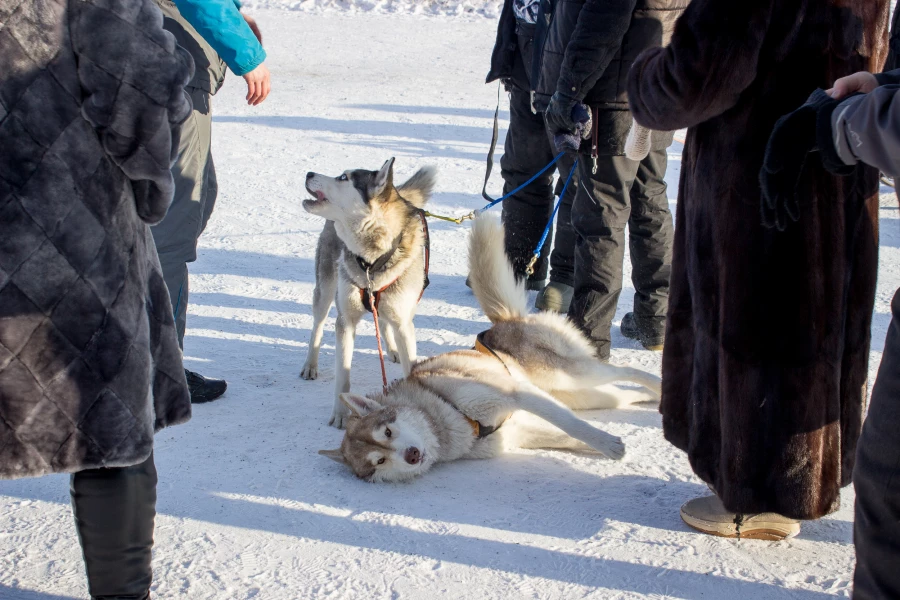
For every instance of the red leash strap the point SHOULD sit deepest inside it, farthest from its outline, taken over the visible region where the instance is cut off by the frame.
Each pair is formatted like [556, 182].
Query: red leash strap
[374, 304]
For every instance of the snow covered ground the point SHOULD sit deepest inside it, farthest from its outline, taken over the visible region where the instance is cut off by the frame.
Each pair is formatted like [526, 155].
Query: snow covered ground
[247, 509]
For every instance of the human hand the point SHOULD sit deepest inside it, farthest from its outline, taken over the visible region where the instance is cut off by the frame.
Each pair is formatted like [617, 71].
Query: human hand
[570, 141]
[558, 115]
[253, 26]
[258, 85]
[858, 83]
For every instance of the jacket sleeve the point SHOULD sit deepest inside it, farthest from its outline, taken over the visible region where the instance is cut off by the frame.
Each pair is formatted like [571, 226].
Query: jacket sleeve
[866, 129]
[597, 37]
[712, 58]
[222, 26]
[133, 74]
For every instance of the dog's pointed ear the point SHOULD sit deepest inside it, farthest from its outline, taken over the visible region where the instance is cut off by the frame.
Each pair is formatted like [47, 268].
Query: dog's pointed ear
[385, 178]
[359, 406]
[335, 455]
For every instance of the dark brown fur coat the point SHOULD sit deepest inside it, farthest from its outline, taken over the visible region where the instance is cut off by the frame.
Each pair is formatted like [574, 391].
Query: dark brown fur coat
[766, 354]
[91, 100]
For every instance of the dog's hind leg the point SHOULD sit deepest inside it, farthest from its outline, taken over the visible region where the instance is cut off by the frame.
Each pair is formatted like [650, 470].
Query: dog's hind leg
[591, 373]
[323, 296]
[531, 398]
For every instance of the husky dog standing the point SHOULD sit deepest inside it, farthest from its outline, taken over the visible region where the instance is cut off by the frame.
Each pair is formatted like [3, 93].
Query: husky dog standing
[375, 240]
[458, 405]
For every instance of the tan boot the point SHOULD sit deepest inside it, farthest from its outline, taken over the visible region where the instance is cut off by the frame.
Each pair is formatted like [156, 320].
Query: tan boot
[708, 515]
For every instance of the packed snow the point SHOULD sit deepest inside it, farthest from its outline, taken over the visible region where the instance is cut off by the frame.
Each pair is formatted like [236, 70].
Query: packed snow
[247, 509]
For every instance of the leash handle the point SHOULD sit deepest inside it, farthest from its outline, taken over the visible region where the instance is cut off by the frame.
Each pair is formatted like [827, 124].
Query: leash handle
[529, 270]
[372, 303]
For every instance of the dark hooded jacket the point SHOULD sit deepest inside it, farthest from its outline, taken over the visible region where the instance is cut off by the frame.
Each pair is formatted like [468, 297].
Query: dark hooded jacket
[584, 49]
[91, 100]
[767, 338]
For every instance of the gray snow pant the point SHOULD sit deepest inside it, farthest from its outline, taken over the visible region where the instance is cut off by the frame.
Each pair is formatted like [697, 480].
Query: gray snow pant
[114, 512]
[528, 149]
[622, 192]
[195, 196]
[876, 476]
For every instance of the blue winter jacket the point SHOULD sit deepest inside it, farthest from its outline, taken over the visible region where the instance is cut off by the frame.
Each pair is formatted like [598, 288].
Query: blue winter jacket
[220, 23]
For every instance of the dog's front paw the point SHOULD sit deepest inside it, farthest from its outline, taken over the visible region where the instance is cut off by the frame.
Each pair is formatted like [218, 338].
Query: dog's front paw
[309, 371]
[339, 417]
[394, 356]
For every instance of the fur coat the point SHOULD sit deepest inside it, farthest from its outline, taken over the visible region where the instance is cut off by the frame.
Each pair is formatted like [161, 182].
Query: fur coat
[91, 99]
[767, 341]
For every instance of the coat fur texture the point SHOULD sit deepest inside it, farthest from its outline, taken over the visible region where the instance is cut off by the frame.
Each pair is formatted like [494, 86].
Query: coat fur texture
[767, 341]
[91, 98]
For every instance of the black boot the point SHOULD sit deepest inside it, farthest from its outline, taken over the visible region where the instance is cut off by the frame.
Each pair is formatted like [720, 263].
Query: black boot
[651, 340]
[114, 512]
[204, 389]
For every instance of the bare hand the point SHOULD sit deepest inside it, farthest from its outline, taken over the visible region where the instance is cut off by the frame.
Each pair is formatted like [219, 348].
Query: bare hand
[862, 82]
[258, 85]
[253, 26]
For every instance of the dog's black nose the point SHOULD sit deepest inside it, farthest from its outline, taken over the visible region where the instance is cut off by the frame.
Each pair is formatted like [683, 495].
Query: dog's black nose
[310, 175]
[413, 456]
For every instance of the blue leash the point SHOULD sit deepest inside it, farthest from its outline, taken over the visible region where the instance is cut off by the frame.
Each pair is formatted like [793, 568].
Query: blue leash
[529, 270]
[493, 203]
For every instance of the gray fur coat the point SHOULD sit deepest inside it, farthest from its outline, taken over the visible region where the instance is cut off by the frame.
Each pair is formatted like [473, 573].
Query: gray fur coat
[91, 101]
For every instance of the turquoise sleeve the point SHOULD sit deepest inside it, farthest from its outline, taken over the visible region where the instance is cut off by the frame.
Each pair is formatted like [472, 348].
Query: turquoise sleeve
[222, 26]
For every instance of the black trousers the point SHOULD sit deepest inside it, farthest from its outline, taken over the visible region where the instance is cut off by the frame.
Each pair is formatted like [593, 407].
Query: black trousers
[114, 514]
[876, 529]
[528, 149]
[622, 192]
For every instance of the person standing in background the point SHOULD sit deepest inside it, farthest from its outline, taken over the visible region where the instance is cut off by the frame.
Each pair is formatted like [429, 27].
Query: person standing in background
[528, 149]
[584, 50]
[767, 342]
[216, 34]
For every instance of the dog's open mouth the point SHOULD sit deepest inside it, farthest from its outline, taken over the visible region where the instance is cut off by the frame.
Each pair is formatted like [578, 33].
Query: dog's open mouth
[319, 200]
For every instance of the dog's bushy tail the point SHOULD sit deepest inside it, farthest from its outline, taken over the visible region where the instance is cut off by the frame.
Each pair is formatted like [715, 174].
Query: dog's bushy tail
[417, 189]
[501, 297]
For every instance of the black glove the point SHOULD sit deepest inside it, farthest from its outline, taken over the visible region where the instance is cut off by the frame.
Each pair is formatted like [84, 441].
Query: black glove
[559, 114]
[570, 141]
[794, 137]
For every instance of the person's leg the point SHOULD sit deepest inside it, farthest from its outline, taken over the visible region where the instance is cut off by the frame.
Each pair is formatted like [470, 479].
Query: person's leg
[562, 259]
[650, 234]
[526, 214]
[114, 512]
[557, 296]
[176, 236]
[876, 529]
[599, 215]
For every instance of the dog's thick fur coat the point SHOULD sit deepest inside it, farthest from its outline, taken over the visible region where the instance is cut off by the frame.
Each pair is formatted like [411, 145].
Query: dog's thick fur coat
[91, 101]
[369, 222]
[540, 363]
[767, 340]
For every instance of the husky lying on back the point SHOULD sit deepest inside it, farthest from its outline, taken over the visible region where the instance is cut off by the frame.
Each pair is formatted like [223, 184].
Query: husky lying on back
[375, 238]
[458, 405]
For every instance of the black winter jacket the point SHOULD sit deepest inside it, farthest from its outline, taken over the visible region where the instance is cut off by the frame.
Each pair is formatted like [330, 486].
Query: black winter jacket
[584, 48]
[503, 58]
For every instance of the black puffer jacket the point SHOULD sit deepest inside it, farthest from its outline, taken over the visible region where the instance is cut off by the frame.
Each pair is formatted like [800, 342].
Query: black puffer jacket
[503, 58]
[584, 49]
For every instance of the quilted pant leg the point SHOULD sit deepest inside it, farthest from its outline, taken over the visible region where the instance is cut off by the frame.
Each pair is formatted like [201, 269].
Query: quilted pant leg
[114, 514]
